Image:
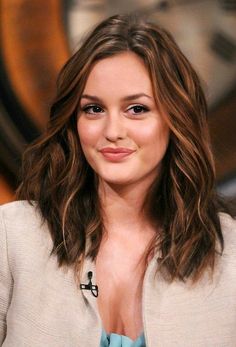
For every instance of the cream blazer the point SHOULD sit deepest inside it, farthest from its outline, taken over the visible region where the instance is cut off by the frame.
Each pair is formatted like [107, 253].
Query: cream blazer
[41, 306]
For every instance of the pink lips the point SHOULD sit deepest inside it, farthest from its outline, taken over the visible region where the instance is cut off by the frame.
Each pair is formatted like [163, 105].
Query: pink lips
[116, 154]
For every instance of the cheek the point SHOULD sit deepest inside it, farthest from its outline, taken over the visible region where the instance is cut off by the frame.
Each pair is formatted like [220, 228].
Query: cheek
[162, 138]
[88, 133]
[155, 137]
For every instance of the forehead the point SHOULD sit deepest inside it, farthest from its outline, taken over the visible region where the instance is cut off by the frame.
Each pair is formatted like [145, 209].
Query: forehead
[125, 72]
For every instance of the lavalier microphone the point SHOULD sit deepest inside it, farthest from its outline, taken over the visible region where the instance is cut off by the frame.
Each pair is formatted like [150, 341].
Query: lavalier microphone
[92, 287]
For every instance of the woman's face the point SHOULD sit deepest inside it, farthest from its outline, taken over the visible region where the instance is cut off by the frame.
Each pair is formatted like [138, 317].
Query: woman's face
[122, 134]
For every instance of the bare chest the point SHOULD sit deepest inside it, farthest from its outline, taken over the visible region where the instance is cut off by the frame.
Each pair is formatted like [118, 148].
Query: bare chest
[120, 282]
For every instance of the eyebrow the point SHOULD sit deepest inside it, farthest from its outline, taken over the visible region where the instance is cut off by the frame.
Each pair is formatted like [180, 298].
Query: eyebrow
[126, 98]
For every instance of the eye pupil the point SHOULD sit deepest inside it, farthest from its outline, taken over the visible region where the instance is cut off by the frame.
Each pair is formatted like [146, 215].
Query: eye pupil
[96, 109]
[138, 109]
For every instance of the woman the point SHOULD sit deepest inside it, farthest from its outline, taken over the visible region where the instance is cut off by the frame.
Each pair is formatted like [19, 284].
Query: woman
[117, 239]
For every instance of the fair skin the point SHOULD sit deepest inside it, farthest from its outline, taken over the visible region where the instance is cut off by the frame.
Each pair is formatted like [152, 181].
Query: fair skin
[124, 139]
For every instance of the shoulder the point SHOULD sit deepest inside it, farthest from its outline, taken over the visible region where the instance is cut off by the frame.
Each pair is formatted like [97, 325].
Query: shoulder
[20, 217]
[18, 211]
[227, 260]
[24, 230]
[228, 228]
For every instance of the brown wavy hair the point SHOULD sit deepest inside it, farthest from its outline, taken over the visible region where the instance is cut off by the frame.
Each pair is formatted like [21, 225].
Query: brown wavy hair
[56, 175]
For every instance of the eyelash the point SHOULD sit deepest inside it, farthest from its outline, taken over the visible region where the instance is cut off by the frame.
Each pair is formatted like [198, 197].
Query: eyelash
[87, 109]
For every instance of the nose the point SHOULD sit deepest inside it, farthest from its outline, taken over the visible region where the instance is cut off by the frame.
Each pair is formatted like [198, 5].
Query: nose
[115, 128]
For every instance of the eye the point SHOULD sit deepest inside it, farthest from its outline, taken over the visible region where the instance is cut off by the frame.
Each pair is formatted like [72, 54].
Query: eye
[137, 109]
[92, 109]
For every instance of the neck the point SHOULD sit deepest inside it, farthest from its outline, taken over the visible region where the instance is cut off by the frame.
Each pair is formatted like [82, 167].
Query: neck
[123, 207]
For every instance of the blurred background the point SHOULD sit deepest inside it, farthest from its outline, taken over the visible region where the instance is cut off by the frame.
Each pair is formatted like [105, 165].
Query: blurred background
[37, 37]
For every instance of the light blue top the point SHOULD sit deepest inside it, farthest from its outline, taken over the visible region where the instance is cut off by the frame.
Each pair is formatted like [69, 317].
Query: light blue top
[116, 340]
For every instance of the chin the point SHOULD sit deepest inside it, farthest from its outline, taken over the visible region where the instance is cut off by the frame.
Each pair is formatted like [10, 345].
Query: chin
[117, 180]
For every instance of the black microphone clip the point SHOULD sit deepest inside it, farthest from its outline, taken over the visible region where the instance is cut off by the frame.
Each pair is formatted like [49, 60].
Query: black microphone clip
[92, 287]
